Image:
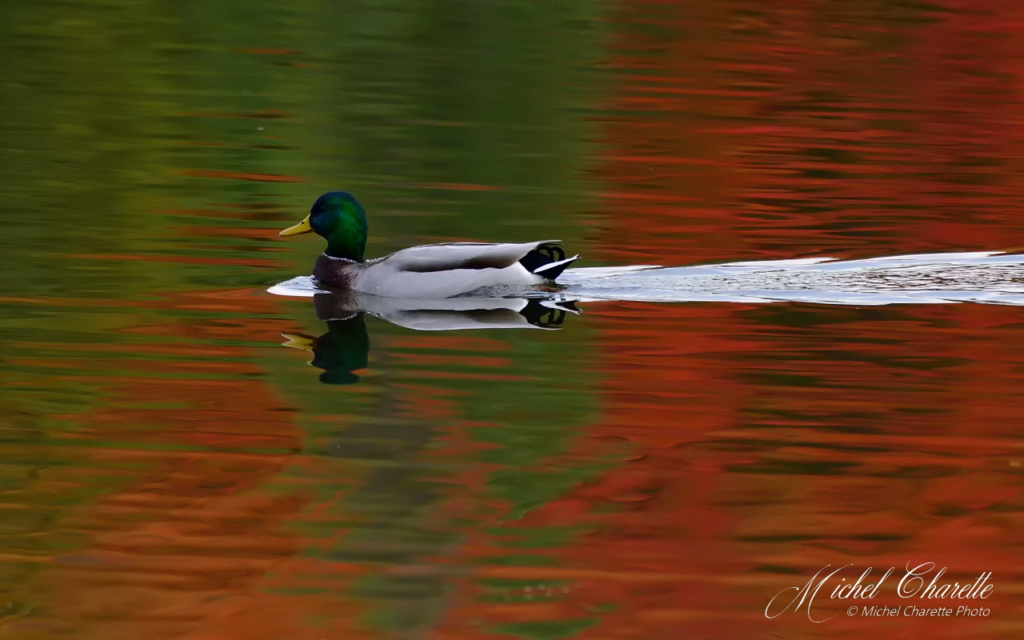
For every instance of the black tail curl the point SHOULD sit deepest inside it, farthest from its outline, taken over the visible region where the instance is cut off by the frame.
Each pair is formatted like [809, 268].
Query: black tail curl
[542, 256]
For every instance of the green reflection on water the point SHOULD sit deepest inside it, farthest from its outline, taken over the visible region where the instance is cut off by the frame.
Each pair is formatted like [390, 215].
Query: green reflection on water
[152, 150]
[547, 630]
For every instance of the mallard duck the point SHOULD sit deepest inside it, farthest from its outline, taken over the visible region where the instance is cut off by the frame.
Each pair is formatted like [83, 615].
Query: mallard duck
[429, 271]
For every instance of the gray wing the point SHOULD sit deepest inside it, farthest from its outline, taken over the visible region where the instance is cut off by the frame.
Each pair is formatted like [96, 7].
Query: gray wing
[461, 255]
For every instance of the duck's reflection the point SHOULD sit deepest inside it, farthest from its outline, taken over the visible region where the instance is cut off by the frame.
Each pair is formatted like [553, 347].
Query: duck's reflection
[345, 348]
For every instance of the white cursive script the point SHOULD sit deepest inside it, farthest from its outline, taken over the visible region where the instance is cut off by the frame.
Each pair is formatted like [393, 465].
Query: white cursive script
[912, 584]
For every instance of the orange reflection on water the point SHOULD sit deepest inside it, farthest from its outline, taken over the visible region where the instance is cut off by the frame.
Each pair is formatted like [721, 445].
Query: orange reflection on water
[650, 471]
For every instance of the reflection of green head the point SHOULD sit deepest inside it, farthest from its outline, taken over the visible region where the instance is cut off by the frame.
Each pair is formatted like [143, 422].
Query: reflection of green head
[338, 217]
[345, 348]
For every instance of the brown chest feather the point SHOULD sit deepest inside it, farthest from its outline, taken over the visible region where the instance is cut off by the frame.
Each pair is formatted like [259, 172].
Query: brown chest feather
[336, 274]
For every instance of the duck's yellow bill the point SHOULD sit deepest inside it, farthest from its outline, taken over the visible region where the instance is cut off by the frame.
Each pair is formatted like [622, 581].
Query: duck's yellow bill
[302, 227]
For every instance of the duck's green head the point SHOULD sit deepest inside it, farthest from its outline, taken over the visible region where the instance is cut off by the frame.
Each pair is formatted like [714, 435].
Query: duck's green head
[338, 217]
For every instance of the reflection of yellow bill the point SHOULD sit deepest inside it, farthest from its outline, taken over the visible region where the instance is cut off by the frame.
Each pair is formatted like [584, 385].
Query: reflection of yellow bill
[302, 227]
[298, 341]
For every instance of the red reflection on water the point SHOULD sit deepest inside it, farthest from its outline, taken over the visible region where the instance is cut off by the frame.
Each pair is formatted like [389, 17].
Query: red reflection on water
[814, 130]
[191, 544]
[749, 446]
[768, 442]
[234, 175]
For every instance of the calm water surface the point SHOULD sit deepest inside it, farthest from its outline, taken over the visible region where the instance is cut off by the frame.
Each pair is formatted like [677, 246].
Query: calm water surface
[649, 471]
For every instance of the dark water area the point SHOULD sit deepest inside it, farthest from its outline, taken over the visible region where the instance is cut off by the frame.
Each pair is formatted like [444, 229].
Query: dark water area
[173, 467]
